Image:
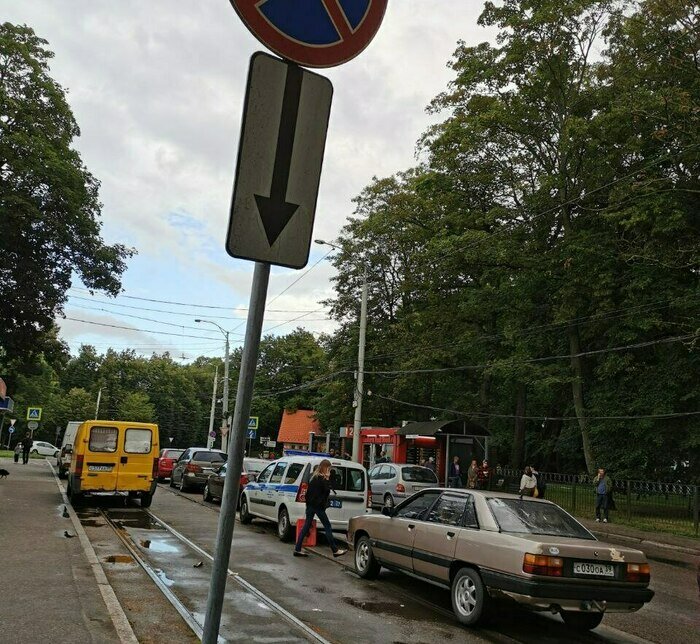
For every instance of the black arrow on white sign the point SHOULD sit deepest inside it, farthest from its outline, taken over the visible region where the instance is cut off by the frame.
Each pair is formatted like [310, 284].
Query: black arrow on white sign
[275, 211]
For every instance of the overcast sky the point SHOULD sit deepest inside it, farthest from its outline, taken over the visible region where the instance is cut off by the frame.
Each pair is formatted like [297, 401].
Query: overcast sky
[157, 88]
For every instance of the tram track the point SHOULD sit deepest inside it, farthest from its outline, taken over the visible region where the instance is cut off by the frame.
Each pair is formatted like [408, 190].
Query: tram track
[162, 576]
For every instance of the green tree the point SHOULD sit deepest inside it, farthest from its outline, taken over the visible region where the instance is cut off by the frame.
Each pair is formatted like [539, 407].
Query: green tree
[137, 407]
[49, 206]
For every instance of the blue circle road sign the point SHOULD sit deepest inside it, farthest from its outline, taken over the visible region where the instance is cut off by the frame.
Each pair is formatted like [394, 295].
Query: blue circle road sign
[313, 33]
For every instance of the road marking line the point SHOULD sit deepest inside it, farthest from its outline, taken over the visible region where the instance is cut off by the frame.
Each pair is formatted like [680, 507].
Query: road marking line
[114, 608]
[310, 632]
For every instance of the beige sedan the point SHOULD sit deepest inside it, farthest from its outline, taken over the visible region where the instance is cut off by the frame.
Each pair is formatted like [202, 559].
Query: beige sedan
[485, 545]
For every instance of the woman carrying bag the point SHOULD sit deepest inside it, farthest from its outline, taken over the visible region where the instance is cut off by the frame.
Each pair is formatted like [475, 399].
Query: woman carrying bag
[316, 503]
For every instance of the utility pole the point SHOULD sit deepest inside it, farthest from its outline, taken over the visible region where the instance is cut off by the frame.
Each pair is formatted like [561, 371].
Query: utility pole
[210, 438]
[97, 407]
[224, 408]
[359, 387]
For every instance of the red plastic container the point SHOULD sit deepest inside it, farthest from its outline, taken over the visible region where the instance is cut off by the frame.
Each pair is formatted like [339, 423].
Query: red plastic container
[310, 540]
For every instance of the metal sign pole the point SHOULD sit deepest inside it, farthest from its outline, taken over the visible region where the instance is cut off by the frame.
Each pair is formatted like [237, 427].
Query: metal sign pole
[229, 502]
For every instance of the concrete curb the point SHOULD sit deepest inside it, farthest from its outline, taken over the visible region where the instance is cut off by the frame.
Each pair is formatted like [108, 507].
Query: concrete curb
[114, 608]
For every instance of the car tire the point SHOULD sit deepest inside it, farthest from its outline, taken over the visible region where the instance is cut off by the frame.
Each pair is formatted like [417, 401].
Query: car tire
[366, 565]
[35, 452]
[62, 474]
[469, 596]
[246, 517]
[172, 481]
[389, 501]
[56, 453]
[205, 494]
[74, 498]
[284, 526]
[146, 500]
[183, 487]
[581, 621]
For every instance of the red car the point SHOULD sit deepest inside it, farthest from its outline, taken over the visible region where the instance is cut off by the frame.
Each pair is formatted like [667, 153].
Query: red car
[166, 461]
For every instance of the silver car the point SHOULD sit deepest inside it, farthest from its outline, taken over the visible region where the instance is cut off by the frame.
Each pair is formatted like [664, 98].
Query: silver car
[392, 482]
[192, 469]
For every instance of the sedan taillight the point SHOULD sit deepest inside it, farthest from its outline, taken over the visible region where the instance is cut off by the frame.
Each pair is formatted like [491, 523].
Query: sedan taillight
[400, 487]
[191, 467]
[638, 573]
[543, 565]
[244, 480]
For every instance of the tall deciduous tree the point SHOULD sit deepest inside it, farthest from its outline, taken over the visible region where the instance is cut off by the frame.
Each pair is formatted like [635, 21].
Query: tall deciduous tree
[49, 206]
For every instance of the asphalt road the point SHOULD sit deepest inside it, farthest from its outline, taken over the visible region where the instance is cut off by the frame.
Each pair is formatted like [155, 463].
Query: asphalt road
[329, 597]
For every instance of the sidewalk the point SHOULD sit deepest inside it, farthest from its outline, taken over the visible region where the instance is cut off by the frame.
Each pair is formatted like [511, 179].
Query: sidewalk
[655, 544]
[48, 591]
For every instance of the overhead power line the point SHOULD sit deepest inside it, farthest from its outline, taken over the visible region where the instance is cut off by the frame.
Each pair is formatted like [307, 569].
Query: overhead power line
[477, 414]
[128, 328]
[564, 356]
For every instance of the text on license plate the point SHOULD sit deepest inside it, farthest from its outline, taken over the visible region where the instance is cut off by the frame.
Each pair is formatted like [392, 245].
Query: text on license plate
[100, 468]
[335, 503]
[601, 570]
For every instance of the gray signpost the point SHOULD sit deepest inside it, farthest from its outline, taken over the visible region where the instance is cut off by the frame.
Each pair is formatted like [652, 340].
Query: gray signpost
[272, 213]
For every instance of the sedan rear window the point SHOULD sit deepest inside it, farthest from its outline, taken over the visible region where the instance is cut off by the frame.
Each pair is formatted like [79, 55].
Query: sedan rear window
[209, 457]
[172, 453]
[418, 475]
[530, 517]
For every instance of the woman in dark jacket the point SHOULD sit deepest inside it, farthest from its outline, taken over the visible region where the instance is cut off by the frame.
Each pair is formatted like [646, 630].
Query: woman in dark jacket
[316, 503]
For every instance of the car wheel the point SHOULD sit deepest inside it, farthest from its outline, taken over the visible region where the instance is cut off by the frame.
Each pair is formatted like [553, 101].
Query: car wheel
[35, 452]
[172, 480]
[581, 621]
[365, 563]
[246, 517]
[389, 501]
[284, 526]
[205, 494]
[55, 454]
[469, 597]
[183, 486]
[146, 500]
[74, 498]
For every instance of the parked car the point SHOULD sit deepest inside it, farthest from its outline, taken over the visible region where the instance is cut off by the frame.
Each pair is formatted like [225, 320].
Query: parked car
[114, 457]
[392, 481]
[279, 493]
[486, 545]
[166, 461]
[193, 467]
[253, 466]
[214, 487]
[42, 448]
[63, 459]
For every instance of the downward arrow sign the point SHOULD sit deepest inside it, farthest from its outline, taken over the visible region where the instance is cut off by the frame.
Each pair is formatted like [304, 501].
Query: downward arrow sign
[275, 211]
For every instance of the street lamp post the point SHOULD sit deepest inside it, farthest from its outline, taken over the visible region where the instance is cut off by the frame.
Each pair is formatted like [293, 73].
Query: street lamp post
[224, 406]
[359, 383]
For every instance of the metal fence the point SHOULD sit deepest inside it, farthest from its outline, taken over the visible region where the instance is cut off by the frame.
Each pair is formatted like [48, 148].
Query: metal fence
[647, 505]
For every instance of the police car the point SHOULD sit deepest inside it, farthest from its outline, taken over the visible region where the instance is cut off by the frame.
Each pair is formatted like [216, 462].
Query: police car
[279, 492]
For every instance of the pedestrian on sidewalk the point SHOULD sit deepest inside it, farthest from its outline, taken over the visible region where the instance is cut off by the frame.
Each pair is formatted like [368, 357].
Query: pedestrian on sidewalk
[528, 483]
[473, 475]
[454, 478]
[484, 475]
[430, 464]
[541, 483]
[316, 503]
[26, 446]
[603, 490]
[18, 451]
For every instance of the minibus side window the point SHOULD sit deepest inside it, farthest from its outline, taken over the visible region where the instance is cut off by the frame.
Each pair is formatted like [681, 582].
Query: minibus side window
[137, 441]
[103, 439]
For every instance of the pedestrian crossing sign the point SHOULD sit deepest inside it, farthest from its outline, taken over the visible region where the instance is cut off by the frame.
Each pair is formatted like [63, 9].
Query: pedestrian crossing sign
[253, 422]
[33, 413]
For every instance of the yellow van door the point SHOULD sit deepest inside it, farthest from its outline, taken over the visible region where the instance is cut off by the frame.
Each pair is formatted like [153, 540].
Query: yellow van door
[101, 460]
[140, 447]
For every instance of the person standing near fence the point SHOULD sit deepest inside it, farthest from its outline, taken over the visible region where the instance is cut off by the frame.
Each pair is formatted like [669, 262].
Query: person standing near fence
[603, 488]
[454, 477]
[528, 483]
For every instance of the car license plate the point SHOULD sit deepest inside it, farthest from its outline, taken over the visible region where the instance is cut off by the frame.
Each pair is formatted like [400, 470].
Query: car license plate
[335, 503]
[100, 468]
[596, 569]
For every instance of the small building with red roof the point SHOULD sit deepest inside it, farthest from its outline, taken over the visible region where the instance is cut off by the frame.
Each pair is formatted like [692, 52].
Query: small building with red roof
[295, 427]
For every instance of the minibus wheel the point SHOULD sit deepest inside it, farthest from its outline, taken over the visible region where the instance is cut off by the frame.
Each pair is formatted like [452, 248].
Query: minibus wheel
[146, 500]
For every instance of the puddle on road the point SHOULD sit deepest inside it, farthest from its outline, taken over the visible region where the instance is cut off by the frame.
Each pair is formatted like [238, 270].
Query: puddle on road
[134, 519]
[164, 578]
[389, 608]
[156, 545]
[125, 559]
